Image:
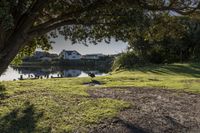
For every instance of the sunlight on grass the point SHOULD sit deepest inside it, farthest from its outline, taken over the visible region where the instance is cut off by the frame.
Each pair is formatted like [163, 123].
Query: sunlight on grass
[65, 104]
[175, 76]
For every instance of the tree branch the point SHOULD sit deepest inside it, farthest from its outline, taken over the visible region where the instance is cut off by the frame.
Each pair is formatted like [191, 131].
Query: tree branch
[29, 17]
[186, 10]
[45, 30]
[26, 21]
[69, 15]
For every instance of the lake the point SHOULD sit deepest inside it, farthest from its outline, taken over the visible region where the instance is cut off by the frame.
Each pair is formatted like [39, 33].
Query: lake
[14, 73]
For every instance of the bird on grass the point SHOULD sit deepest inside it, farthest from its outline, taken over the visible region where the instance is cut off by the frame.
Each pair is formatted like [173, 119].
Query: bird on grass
[92, 75]
[93, 82]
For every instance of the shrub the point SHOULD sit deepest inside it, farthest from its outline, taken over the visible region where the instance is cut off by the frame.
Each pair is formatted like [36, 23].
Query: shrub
[128, 60]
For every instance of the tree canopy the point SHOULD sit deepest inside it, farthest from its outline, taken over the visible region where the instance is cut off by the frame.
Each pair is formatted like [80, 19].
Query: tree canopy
[28, 24]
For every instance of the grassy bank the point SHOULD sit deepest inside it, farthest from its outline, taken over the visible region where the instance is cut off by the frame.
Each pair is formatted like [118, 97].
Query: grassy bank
[63, 105]
[174, 76]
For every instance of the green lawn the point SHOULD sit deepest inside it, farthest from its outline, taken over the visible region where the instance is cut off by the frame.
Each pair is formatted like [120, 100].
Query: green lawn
[63, 105]
[175, 76]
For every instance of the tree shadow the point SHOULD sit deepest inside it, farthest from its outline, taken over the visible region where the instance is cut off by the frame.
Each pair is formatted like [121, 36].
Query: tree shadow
[2, 92]
[20, 120]
[175, 123]
[132, 128]
[118, 125]
[195, 65]
[192, 70]
[184, 70]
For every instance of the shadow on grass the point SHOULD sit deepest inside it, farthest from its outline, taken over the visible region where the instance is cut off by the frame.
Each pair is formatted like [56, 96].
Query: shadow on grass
[20, 120]
[118, 126]
[131, 127]
[192, 70]
[2, 92]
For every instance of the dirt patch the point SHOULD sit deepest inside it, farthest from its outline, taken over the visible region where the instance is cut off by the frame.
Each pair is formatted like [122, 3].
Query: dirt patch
[152, 111]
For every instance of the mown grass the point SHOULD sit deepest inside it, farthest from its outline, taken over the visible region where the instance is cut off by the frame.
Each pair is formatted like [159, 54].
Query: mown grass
[174, 76]
[63, 105]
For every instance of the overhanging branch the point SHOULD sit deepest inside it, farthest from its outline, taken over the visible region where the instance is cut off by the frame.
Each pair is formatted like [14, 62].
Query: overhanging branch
[69, 15]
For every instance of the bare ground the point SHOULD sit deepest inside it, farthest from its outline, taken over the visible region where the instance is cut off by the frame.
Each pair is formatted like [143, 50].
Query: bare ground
[151, 111]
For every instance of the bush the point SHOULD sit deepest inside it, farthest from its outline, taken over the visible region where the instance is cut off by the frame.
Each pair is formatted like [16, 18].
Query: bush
[128, 60]
[157, 58]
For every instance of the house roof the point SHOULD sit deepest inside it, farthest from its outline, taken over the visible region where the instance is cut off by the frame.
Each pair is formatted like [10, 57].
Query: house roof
[93, 55]
[69, 52]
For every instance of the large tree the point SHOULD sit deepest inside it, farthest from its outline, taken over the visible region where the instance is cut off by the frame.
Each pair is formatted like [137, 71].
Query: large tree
[27, 24]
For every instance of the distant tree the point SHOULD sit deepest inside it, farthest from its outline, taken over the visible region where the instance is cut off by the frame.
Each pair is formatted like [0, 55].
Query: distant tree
[28, 24]
[176, 43]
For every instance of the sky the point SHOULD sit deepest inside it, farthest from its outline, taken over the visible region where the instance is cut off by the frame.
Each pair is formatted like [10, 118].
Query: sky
[104, 48]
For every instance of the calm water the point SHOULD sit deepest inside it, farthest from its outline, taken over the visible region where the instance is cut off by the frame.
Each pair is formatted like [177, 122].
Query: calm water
[14, 73]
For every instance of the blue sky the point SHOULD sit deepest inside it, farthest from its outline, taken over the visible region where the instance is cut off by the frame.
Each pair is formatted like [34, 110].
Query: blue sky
[108, 49]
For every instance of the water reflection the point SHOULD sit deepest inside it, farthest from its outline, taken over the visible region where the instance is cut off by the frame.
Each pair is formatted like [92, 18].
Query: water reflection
[15, 73]
[72, 73]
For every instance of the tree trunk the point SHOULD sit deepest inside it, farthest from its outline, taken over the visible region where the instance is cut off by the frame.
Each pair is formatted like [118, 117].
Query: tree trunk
[10, 50]
[4, 64]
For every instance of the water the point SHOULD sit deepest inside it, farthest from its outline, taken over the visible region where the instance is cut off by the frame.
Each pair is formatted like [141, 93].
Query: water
[14, 73]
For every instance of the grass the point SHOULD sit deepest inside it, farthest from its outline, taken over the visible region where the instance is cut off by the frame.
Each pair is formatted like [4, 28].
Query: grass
[174, 76]
[63, 105]
[54, 105]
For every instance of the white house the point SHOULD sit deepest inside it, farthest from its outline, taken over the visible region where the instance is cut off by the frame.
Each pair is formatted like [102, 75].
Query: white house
[70, 55]
[92, 56]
